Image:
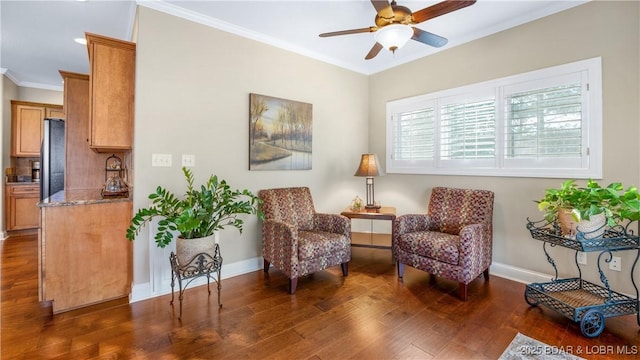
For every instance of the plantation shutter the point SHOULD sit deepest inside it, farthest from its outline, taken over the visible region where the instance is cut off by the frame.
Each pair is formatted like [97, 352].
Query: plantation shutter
[468, 128]
[413, 135]
[545, 122]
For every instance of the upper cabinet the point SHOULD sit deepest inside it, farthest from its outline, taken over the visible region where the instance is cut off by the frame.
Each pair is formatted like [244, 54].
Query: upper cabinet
[111, 91]
[85, 168]
[55, 112]
[26, 126]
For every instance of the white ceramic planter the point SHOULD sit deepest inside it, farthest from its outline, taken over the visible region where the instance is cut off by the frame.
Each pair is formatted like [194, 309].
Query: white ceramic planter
[594, 227]
[186, 249]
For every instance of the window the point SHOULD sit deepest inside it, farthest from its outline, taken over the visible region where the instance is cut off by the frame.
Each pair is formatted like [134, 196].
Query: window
[545, 123]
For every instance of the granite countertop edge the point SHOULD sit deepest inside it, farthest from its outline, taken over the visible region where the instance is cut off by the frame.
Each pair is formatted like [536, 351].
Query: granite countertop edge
[22, 183]
[81, 197]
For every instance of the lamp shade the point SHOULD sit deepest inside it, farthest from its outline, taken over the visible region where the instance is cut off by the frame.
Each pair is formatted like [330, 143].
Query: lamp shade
[394, 36]
[369, 166]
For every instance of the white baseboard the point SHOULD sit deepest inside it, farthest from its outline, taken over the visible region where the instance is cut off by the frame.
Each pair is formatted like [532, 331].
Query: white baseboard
[144, 291]
[518, 274]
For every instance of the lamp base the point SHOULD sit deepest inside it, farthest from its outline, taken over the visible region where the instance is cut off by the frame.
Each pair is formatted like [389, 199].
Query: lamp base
[372, 208]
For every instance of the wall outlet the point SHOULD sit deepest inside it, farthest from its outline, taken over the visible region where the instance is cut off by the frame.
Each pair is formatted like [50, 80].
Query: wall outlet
[581, 257]
[188, 160]
[161, 160]
[615, 264]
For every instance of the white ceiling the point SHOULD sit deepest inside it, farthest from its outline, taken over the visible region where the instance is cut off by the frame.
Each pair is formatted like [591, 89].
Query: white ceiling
[37, 36]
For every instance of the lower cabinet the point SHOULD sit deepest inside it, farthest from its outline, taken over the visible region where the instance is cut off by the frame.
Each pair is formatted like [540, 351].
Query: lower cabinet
[21, 208]
[84, 256]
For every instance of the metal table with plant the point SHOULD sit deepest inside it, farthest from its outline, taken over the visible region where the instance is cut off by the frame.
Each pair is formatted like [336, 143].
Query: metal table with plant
[195, 218]
[578, 299]
[202, 264]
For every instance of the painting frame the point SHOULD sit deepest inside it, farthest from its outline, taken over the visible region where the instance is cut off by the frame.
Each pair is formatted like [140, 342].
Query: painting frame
[280, 133]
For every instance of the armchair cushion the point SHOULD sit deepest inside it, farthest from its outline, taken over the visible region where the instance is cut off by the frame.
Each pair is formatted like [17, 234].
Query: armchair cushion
[313, 244]
[435, 245]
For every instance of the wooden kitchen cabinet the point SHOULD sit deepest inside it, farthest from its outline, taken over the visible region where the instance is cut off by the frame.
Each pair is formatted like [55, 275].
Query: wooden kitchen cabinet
[21, 207]
[85, 168]
[84, 256]
[55, 112]
[111, 92]
[26, 126]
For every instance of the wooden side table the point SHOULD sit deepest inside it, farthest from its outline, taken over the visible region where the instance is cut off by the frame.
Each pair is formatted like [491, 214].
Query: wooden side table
[384, 213]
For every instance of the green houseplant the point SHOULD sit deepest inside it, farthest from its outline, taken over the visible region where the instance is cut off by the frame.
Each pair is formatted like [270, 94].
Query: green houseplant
[201, 212]
[613, 203]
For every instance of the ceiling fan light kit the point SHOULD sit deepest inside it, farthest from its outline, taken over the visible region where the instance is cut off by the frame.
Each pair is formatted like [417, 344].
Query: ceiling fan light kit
[394, 25]
[394, 36]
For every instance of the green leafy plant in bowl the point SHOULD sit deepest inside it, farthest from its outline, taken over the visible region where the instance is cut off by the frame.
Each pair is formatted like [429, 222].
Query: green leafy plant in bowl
[199, 213]
[616, 203]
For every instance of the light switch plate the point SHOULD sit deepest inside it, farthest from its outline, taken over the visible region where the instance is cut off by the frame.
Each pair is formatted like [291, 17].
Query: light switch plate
[188, 160]
[161, 160]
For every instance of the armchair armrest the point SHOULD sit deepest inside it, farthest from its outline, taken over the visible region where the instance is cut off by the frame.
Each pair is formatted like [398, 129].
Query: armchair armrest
[410, 223]
[332, 223]
[475, 246]
[278, 236]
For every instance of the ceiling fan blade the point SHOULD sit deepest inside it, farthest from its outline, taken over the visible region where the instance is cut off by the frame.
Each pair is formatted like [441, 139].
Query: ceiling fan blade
[352, 31]
[380, 5]
[374, 51]
[438, 9]
[428, 38]
[383, 8]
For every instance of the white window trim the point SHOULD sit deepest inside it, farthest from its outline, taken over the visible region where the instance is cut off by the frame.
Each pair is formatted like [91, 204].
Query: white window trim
[592, 152]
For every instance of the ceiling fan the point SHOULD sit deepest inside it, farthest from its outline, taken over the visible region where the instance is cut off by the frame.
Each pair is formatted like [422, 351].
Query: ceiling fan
[394, 25]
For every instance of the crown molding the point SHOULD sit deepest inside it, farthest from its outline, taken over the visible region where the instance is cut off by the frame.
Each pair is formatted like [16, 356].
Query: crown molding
[6, 72]
[171, 9]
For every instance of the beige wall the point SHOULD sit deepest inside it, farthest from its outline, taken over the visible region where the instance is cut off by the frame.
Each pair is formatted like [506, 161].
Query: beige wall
[607, 29]
[192, 97]
[40, 95]
[9, 91]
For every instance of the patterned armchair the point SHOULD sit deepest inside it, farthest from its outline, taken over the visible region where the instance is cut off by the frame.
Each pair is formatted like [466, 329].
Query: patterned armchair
[453, 240]
[299, 241]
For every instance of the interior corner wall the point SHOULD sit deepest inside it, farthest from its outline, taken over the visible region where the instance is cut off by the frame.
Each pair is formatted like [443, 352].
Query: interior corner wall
[192, 97]
[9, 91]
[607, 29]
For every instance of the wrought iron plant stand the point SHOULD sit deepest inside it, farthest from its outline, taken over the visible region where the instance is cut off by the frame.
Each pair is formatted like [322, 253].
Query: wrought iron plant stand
[580, 300]
[202, 264]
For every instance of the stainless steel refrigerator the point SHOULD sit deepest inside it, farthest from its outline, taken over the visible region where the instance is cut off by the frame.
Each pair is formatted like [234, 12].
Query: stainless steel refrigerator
[52, 158]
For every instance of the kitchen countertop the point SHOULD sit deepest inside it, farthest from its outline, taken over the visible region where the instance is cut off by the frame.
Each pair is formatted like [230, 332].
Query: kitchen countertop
[23, 183]
[80, 197]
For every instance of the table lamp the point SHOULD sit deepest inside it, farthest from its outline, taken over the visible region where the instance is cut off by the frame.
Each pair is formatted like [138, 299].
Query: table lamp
[369, 167]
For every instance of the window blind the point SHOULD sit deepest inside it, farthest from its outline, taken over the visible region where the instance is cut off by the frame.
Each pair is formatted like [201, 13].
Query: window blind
[545, 122]
[468, 130]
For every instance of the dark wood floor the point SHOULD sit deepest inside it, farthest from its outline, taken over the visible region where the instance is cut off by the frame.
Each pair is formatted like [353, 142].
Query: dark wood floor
[368, 315]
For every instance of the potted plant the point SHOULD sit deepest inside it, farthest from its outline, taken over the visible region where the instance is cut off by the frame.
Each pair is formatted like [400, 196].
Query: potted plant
[195, 217]
[629, 208]
[555, 200]
[588, 209]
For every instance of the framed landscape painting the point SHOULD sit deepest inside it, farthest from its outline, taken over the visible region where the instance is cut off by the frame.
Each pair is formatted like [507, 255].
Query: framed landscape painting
[280, 133]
